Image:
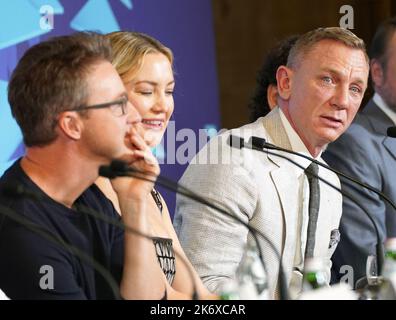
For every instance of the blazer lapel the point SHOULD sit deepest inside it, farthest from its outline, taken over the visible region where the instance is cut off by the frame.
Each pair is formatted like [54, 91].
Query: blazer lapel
[380, 123]
[289, 197]
[390, 145]
[378, 120]
[284, 181]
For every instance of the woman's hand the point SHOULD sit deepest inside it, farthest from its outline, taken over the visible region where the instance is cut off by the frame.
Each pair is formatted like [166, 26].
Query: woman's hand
[140, 158]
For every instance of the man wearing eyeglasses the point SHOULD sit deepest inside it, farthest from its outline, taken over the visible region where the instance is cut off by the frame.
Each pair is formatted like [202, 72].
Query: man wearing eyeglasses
[74, 114]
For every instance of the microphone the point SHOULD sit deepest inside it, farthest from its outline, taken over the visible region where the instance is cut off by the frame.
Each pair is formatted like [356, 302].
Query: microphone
[51, 237]
[259, 144]
[391, 132]
[236, 142]
[14, 189]
[105, 171]
[121, 169]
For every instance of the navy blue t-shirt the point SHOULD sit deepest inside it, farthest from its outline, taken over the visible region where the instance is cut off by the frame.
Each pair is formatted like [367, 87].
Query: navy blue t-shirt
[32, 267]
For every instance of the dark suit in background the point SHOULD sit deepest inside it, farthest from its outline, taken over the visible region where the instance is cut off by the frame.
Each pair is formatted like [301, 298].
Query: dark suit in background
[366, 153]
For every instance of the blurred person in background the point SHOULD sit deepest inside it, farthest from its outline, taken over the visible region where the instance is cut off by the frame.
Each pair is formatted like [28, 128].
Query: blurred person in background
[265, 96]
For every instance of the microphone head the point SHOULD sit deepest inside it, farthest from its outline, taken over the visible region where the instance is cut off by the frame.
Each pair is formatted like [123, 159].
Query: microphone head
[236, 142]
[257, 142]
[119, 166]
[107, 172]
[391, 132]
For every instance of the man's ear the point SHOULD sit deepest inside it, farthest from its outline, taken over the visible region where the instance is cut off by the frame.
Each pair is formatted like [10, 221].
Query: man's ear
[70, 124]
[377, 72]
[272, 96]
[284, 77]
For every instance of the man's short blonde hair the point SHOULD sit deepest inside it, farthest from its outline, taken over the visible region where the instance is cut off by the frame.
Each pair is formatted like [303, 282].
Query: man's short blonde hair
[309, 40]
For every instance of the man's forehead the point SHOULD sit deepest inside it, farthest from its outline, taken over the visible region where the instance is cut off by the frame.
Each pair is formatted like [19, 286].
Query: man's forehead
[331, 46]
[336, 53]
[103, 71]
[103, 79]
[101, 68]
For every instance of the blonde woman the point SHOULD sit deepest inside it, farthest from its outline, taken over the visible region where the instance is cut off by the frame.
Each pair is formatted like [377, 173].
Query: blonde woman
[145, 66]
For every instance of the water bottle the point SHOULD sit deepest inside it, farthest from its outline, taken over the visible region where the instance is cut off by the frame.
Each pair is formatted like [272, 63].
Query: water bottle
[229, 290]
[251, 276]
[314, 274]
[388, 287]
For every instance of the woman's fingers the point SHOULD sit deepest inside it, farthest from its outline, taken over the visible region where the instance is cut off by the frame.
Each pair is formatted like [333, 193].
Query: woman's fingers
[143, 161]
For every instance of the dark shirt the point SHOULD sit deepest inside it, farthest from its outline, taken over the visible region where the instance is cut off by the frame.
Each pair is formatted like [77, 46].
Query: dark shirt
[29, 262]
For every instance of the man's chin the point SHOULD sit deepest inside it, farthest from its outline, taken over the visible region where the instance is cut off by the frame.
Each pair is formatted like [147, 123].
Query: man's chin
[124, 152]
[325, 147]
[331, 135]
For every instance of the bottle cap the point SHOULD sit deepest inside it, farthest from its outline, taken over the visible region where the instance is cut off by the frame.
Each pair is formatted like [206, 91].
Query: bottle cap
[313, 264]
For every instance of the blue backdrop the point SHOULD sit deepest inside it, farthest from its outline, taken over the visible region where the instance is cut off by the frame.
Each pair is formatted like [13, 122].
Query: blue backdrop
[183, 25]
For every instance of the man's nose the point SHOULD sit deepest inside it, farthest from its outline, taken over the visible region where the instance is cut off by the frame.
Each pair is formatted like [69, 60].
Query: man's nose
[133, 115]
[341, 97]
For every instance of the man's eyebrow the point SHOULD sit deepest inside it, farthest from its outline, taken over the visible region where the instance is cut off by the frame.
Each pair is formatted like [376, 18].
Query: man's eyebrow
[122, 95]
[336, 72]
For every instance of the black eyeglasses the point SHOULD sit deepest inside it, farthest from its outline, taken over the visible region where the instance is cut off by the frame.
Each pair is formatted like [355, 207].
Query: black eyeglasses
[117, 107]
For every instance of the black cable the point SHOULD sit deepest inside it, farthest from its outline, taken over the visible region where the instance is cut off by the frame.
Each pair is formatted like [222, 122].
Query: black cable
[20, 190]
[379, 248]
[120, 168]
[123, 226]
[343, 175]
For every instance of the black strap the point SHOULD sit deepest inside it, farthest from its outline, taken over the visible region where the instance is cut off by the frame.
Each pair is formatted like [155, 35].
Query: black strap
[157, 198]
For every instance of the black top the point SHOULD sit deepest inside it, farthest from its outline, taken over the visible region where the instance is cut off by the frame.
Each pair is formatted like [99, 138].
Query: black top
[31, 267]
